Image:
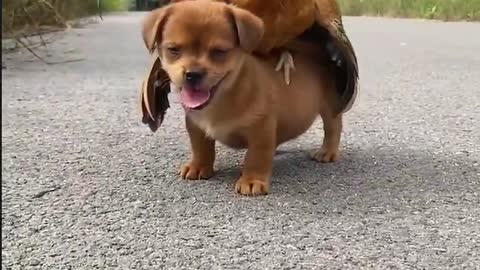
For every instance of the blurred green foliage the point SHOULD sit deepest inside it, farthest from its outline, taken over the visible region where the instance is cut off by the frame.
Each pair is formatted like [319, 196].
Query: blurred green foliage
[430, 9]
[116, 5]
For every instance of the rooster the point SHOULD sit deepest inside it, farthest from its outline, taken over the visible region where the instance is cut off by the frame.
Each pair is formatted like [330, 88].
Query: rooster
[317, 22]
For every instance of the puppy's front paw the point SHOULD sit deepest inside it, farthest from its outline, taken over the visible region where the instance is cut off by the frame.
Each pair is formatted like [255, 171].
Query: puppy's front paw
[252, 186]
[194, 171]
[325, 155]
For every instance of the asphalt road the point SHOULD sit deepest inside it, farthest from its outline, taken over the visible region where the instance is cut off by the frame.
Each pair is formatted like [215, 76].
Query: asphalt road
[85, 185]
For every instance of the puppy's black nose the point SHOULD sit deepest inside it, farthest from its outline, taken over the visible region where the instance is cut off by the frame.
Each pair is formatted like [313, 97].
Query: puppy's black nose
[194, 77]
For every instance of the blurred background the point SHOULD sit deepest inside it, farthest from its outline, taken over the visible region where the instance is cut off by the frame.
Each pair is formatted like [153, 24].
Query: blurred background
[22, 15]
[22, 19]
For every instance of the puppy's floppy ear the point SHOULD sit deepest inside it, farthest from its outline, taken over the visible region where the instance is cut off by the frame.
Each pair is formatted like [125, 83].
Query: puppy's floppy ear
[248, 27]
[153, 26]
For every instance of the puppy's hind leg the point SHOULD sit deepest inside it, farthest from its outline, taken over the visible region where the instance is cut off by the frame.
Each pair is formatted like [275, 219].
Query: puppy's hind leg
[332, 126]
[201, 164]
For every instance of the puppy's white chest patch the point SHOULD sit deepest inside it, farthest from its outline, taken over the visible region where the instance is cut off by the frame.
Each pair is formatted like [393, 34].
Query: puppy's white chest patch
[217, 131]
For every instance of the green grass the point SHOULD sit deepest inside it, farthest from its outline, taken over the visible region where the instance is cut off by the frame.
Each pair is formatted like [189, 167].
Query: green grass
[449, 10]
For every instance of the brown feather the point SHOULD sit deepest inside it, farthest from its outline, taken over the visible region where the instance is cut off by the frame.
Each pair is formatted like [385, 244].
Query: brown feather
[284, 20]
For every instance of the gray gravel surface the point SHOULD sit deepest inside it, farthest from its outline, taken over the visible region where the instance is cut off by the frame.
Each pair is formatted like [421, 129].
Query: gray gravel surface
[85, 185]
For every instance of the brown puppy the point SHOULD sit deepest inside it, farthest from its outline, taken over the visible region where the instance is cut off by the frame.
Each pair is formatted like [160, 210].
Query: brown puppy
[236, 98]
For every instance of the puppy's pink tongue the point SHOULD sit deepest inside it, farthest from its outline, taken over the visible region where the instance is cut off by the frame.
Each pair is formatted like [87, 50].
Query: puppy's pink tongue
[192, 98]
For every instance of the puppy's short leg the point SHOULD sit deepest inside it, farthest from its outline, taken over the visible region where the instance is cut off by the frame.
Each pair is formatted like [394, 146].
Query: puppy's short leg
[255, 179]
[203, 154]
[332, 126]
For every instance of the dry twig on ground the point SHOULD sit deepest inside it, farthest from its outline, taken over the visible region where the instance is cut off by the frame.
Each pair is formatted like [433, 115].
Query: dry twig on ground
[24, 18]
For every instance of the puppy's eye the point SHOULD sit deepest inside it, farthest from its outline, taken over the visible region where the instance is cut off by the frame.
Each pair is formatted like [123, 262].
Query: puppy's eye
[173, 50]
[218, 54]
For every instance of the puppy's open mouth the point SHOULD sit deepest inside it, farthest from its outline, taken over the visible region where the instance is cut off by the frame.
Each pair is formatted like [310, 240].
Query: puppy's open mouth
[197, 98]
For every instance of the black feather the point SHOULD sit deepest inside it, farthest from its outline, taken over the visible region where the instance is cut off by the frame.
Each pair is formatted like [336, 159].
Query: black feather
[342, 58]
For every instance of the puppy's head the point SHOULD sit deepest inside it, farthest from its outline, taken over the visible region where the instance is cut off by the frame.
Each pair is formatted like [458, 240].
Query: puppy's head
[201, 45]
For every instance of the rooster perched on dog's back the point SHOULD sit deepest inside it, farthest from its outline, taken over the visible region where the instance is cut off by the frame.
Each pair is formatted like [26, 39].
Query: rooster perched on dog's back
[318, 22]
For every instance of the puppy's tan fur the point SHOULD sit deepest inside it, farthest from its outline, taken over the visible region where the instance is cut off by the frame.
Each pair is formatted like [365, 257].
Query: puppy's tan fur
[252, 108]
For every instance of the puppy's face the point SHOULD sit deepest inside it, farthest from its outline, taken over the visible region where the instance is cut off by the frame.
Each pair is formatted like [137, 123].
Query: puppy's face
[201, 44]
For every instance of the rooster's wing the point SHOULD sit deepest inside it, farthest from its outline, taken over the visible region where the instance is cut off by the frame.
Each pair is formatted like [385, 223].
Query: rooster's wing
[328, 29]
[154, 95]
